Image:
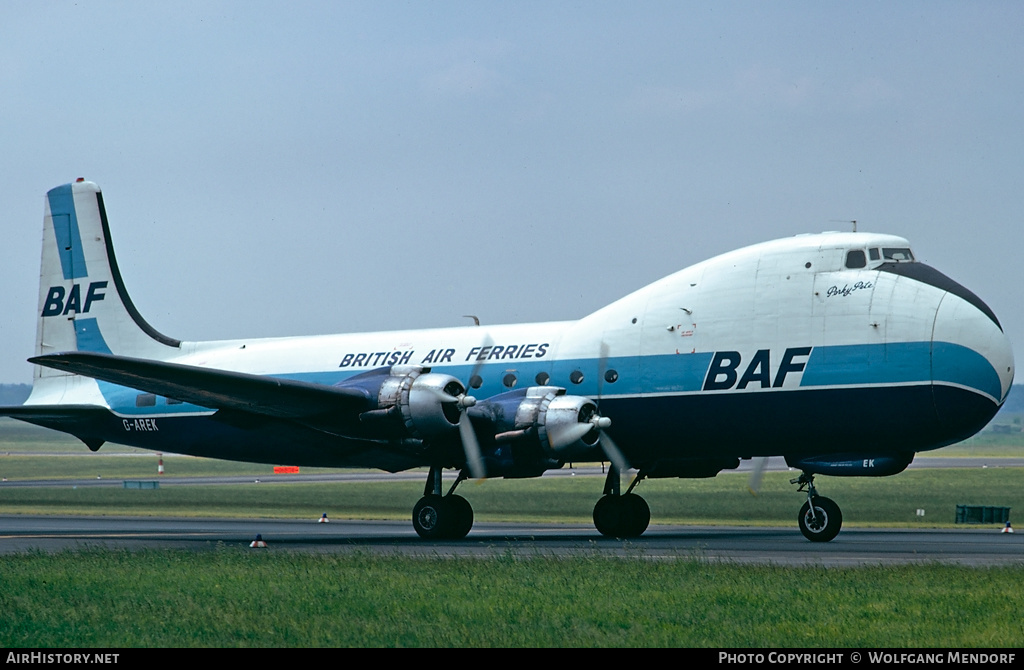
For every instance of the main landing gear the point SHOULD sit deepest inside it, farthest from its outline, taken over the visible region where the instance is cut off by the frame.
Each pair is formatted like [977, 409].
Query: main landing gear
[626, 515]
[437, 517]
[820, 518]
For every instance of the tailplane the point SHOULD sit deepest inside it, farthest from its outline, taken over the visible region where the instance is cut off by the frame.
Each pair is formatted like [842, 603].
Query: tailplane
[83, 304]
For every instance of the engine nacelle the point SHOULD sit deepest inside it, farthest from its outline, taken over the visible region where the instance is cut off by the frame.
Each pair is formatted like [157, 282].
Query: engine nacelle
[410, 400]
[559, 419]
[562, 426]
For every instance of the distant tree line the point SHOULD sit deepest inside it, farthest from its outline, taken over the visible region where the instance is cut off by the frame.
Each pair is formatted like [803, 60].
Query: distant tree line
[14, 394]
[1015, 401]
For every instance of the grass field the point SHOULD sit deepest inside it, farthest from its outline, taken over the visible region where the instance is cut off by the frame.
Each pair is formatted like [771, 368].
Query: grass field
[232, 598]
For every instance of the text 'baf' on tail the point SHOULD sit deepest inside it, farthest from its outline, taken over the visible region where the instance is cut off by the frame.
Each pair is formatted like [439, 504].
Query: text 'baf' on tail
[83, 304]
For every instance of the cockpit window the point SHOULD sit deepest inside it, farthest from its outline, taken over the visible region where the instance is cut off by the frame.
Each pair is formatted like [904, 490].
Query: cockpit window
[855, 259]
[873, 254]
[898, 255]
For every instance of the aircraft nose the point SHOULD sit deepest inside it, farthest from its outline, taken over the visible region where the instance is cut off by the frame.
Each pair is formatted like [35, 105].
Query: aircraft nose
[972, 364]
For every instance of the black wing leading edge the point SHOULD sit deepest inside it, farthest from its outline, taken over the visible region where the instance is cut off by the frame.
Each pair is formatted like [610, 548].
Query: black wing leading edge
[214, 389]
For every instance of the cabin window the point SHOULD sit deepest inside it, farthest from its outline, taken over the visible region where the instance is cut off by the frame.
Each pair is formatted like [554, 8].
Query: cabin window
[898, 255]
[542, 378]
[873, 254]
[611, 376]
[475, 382]
[509, 380]
[173, 401]
[576, 377]
[855, 259]
[145, 400]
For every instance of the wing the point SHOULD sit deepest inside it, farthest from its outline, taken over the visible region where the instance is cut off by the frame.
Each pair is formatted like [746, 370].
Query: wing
[215, 389]
[397, 412]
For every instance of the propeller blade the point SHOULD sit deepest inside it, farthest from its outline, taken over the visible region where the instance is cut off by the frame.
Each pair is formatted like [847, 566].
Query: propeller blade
[447, 397]
[757, 474]
[470, 443]
[612, 451]
[479, 363]
[602, 368]
[463, 400]
[568, 435]
[474, 461]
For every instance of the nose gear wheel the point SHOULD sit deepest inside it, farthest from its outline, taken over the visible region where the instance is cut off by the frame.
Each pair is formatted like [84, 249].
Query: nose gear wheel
[822, 522]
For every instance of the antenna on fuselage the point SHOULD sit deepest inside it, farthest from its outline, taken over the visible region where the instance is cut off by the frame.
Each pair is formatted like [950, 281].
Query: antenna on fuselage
[853, 221]
[476, 320]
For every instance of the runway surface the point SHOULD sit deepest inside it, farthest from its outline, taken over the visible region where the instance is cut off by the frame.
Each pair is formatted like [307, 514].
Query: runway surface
[781, 546]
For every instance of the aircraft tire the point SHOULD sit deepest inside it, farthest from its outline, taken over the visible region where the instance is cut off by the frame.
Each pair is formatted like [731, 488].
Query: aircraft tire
[462, 516]
[606, 516]
[621, 516]
[827, 524]
[432, 517]
[638, 514]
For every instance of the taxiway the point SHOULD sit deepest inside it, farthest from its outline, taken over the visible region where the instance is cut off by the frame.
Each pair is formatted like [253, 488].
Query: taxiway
[766, 545]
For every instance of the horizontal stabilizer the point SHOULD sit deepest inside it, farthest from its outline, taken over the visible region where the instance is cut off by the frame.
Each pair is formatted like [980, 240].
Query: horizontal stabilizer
[86, 422]
[214, 389]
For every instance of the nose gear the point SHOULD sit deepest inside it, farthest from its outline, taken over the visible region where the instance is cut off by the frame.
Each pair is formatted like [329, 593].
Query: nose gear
[820, 518]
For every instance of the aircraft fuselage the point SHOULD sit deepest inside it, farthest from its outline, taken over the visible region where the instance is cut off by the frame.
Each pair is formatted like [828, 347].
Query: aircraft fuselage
[777, 348]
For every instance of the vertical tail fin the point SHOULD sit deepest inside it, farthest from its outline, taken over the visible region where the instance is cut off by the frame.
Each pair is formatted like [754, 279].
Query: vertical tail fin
[83, 304]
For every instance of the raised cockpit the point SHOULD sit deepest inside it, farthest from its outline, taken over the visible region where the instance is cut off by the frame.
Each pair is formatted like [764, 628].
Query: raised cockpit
[873, 257]
[898, 255]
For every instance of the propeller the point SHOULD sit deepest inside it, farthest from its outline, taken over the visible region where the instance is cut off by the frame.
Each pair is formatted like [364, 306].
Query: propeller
[463, 401]
[611, 450]
[570, 434]
[470, 443]
[602, 370]
[757, 474]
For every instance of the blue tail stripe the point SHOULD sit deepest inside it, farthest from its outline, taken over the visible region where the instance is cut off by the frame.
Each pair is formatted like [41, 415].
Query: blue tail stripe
[65, 225]
[89, 337]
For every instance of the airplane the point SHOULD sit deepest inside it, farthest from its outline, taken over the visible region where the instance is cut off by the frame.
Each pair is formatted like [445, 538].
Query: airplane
[840, 352]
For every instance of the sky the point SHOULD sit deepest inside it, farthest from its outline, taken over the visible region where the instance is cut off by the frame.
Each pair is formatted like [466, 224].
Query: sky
[303, 168]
